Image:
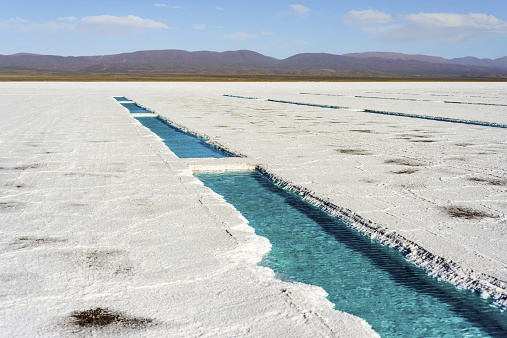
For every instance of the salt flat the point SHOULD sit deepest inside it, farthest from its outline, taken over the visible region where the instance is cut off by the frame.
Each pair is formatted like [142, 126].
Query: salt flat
[434, 189]
[96, 212]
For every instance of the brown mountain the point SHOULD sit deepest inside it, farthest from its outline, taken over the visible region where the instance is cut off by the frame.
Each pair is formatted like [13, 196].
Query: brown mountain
[399, 67]
[244, 62]
[467, 61]
[44, 62]
[232, 58]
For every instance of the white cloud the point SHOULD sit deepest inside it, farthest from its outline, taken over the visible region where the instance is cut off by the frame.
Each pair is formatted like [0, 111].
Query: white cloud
[199, 27]
[240, 36]
[300, 9]
[118, 25]
[474, 21]
[434, 27]
[300, 42]
[367, 17]
[24, 26]
[219, 8]
[18, 20]
[160, 5]
[267, 33]
[102, 24]
[121, 21]
[67, 18]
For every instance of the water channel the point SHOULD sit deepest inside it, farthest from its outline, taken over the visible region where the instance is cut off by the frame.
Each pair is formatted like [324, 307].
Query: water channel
[182, 144]
[361, 276]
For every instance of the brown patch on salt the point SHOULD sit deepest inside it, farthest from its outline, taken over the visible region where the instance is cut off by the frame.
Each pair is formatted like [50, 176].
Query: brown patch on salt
[10, 206]
[354, 151]
[406, 171]
[100, 258]
[22, 167]
[29, 242]
[488, 181]
[404, 161]
[361, 130]
[367, 180]
[99, 317]
[465, 212]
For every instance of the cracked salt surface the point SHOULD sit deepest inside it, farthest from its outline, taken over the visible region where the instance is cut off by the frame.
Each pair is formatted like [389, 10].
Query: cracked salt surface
[416, 195]
[370, 111]
[311, 247]
[151, 211]
[105, 232]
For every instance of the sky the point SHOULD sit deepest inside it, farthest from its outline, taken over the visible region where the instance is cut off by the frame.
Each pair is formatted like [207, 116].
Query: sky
[446, 28]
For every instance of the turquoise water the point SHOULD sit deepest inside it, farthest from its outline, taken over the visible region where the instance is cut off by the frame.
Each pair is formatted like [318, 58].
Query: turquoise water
[183, 145]
[135, 108]
[371, 111]
[131, 106]
[361, 277]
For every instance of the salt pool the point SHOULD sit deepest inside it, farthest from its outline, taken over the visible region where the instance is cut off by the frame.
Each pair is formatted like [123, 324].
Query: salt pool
[120, 98]
[182, 144]
[134, 108]
[381, 112]
[361, 276]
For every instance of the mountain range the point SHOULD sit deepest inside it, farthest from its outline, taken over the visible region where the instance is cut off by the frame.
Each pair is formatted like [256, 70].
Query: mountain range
[245, 62]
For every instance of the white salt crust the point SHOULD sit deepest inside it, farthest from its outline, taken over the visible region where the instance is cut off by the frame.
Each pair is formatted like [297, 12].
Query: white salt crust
[96, 212]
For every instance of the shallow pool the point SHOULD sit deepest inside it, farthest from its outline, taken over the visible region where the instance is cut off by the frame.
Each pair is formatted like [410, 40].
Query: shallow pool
[182, 144]
[134, 108]
[361, 276]
[120, 98]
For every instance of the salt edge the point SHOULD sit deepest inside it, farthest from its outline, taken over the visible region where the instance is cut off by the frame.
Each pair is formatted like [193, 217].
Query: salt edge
[251, 247]
[436, 266]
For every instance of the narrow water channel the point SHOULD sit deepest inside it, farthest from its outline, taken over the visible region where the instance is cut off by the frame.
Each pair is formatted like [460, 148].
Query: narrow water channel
[361, 276]
[182, 144]
[373, 111]
[134, 108]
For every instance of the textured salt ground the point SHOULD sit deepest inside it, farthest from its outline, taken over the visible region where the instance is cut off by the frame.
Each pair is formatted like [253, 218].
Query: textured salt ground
[399, 172]
[407, 175]
[104, 232]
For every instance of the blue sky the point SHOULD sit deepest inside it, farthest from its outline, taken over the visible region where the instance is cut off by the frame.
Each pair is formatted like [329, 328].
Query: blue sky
[447, 28]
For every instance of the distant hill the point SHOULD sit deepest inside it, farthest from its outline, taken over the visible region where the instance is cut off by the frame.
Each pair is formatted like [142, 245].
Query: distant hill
[245, 62]
[467, 61]
[44, 62]
[232, 58]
